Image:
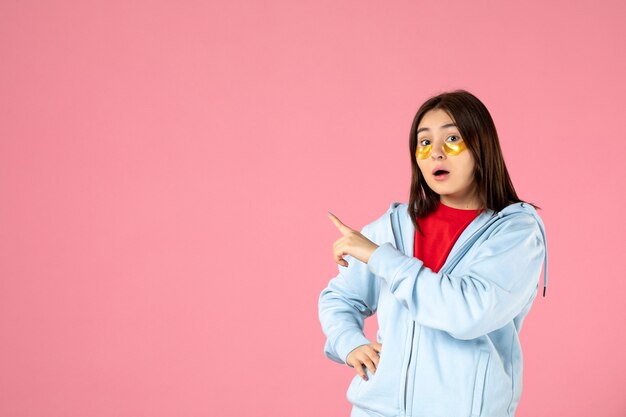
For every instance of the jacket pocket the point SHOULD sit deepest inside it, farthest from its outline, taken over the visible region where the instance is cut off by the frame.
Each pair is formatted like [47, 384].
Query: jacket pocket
[353, 388]
[378, 395]
[479, 383]
[358, 381]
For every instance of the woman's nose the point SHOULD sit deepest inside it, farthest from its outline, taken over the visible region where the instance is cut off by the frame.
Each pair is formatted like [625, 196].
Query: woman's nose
[437, 152]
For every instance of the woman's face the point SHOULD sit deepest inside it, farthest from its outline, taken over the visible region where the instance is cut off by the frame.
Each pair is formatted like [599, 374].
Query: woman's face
[441, 147]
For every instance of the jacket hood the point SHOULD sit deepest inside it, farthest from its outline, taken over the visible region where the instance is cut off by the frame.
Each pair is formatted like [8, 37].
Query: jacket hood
[484, 217]
[527, 208]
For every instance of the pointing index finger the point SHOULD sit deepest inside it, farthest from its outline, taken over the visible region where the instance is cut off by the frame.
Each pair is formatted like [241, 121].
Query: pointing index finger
[342, 227]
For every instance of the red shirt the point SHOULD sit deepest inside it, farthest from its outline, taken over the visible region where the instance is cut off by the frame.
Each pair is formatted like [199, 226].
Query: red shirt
[441, 229]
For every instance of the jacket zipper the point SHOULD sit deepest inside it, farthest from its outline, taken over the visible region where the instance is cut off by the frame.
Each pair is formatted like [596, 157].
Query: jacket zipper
[397, 230]
[400, 242]
[408, 366]
[461, 247]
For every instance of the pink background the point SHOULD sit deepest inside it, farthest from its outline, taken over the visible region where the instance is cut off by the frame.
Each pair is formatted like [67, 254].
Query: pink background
[166, 168]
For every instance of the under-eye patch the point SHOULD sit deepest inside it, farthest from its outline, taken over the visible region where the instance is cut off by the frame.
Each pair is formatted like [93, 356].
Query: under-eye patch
[450, 149]
[423, 152]
[455, 148]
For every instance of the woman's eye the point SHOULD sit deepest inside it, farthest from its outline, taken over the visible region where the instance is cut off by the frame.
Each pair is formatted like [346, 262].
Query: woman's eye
[424, 144]
[454, 136]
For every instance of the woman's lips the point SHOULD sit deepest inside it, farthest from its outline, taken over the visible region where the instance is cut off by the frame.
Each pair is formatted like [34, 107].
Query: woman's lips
[441, 177]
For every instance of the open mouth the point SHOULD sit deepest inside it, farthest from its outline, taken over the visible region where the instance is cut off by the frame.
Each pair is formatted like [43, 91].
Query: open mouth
[441, 172]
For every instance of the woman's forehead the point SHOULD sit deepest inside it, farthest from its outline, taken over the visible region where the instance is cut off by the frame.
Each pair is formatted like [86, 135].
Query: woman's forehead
[434, 120]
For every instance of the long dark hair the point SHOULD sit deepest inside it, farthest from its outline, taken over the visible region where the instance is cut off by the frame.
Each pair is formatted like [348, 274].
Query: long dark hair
[494, 186]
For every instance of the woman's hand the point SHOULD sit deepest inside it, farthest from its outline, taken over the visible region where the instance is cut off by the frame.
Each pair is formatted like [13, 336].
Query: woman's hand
[352, 243]
[365, 355]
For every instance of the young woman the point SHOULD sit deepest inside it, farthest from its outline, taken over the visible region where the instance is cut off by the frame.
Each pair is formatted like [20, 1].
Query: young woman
[452, 275]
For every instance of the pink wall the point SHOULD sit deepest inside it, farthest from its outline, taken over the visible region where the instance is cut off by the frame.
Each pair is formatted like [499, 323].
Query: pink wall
[166, 168]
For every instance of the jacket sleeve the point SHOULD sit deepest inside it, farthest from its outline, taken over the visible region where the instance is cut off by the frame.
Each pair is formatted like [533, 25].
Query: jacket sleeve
[345, 303]
[489, 292]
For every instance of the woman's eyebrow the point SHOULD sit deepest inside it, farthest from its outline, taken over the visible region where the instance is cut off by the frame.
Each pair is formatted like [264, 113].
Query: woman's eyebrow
[443, 127]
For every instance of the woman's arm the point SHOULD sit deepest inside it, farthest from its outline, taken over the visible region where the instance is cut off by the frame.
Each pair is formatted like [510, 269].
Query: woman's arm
[345, 303]
[493, 288]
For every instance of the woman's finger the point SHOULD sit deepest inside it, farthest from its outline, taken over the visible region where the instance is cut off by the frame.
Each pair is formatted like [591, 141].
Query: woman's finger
[339, 224]
[360, 370]
[339, 259]
[375, 358]
[370, 364]
[338, 256]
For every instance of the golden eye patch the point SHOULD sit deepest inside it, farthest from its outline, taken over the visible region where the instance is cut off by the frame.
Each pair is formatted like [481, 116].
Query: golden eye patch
[454, 148]
[450, 149]
[423, 152]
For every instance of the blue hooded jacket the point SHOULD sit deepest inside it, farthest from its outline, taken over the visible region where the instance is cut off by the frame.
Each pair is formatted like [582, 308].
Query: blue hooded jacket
[450, 339]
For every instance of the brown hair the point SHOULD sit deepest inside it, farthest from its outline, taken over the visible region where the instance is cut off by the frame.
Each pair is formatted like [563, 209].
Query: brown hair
[494, 186]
